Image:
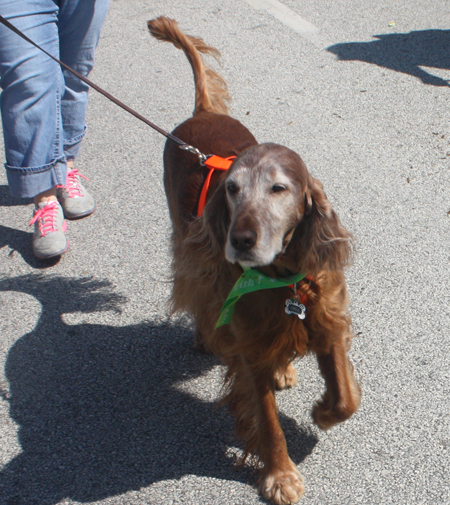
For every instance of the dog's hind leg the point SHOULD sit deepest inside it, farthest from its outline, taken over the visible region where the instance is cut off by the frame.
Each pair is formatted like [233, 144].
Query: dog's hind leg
[342, 396]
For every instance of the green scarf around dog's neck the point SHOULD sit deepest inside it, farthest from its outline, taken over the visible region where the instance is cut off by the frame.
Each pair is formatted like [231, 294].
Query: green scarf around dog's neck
[252, 280]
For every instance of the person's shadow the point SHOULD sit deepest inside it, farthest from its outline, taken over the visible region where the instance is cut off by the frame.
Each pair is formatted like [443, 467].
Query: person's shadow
[101, 409]
[403, 52]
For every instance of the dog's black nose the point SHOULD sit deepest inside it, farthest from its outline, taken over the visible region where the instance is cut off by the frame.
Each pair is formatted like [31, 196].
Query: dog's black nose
[243, 240]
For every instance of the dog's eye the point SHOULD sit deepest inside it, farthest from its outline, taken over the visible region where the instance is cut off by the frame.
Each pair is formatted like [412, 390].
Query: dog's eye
[278, 188]
[232, 188]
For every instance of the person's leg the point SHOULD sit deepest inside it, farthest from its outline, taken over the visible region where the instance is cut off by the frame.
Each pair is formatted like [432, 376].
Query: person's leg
[80, 23]
[33, 86]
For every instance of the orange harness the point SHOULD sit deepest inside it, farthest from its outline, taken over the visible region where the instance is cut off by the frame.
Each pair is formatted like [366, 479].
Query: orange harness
[213, 163]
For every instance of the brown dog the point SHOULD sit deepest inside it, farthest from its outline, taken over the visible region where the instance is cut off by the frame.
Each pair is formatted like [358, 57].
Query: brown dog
[265, 212]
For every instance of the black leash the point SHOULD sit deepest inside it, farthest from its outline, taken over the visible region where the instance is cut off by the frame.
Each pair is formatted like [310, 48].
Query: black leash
[168, 135]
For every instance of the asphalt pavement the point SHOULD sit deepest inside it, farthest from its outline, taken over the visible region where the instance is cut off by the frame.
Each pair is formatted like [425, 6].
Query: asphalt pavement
[102, 398]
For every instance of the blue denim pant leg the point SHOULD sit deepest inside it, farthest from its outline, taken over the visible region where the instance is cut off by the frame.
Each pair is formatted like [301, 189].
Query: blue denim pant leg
[80, 23]
[30, 101]
[36, 99]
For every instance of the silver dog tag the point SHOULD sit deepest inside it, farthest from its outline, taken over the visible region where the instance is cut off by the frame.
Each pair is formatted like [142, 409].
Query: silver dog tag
[293, 307]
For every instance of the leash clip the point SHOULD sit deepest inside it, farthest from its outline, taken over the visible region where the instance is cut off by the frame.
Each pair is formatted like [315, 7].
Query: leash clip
[191, 149]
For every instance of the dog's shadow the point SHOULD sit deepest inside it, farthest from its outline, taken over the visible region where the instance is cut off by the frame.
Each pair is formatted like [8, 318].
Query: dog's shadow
[99, 408]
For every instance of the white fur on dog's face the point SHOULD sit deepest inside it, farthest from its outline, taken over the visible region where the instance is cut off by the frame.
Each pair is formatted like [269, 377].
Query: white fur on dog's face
[263, 202]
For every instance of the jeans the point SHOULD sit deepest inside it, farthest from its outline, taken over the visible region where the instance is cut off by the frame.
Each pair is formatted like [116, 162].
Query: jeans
[43, 107]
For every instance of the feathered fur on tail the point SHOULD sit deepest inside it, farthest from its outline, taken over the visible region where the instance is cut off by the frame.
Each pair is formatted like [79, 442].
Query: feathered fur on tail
[211, 91]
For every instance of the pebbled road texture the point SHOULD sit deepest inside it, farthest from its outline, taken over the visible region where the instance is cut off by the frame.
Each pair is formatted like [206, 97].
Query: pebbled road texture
[104, 401]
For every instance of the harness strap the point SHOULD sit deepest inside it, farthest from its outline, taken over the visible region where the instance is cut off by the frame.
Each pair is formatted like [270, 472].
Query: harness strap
[213, 163]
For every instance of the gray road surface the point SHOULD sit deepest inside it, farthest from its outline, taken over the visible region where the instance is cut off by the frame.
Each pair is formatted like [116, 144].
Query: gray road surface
[102, 398]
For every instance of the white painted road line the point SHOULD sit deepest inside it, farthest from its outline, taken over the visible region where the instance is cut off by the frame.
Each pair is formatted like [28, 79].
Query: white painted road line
[292, 20]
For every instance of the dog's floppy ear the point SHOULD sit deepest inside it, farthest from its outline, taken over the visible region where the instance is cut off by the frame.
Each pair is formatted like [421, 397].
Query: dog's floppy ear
[211, 237]
[216, 218]
[319, 240]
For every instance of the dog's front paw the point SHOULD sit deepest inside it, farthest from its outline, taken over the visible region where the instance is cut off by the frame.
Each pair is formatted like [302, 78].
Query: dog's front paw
[286, 378]
[282, 487]
[326, 417]
[323, 416]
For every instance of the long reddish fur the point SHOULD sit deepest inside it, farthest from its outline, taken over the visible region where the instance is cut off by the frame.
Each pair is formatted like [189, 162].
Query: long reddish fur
[259, 344]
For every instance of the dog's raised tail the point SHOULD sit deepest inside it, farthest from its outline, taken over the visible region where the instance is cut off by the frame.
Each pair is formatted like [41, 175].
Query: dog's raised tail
[211, 91]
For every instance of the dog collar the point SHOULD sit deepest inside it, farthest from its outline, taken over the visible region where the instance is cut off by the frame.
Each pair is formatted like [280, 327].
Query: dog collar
[252, 280]
[213, 162]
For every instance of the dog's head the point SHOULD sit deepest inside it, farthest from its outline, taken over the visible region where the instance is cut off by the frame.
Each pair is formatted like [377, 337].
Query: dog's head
[269, 207]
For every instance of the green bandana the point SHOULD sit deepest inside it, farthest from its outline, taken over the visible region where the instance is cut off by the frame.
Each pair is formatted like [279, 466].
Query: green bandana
[252, 280]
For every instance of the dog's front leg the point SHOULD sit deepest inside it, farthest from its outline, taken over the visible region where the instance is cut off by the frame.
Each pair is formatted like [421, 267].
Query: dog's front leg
[342, 396]
[251, 399]
[281, 482]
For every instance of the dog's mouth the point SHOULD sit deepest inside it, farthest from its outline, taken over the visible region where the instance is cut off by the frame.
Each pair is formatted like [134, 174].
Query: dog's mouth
[249, 263]
[252, 258]
[245, 259]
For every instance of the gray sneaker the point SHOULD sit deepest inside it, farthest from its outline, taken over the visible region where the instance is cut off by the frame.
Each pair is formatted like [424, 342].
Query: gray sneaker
[74, 198]
[49, 228]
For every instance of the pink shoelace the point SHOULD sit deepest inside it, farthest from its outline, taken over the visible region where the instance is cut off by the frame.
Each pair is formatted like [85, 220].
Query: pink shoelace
[72, 187]
[47, 218]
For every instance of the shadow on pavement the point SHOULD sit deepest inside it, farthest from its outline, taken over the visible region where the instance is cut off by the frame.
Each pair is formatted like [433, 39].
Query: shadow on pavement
[6, 200]
[21, 242]
[403, 52]
[99, 409]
